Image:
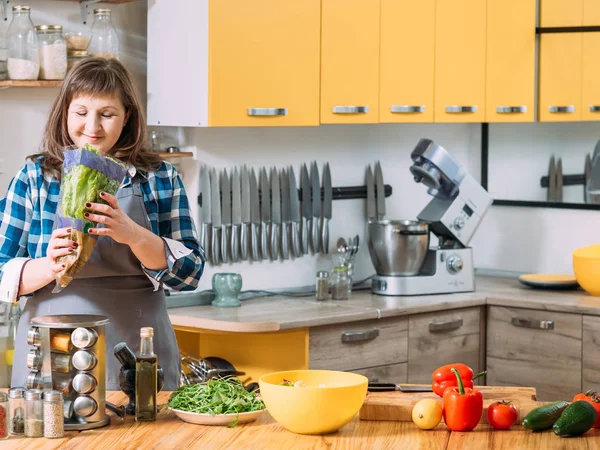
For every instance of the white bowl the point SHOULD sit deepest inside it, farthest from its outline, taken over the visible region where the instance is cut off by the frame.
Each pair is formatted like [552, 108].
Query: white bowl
[217, 419]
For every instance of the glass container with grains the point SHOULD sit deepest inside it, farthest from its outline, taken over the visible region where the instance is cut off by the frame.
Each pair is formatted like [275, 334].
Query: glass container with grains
[53, 52]
[16, 410]
[23, 50]
[3, 416]
[322, 285]
[53, 415]
[34, 413]
[105, 41]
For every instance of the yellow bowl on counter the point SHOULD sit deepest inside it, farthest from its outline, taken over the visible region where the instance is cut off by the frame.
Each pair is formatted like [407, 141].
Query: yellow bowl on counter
[322, 402]
[586, 267]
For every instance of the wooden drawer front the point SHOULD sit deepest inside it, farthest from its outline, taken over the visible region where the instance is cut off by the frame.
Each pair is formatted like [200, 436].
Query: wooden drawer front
[328, 351]
[591, 352]
[439, 338]
[528, 355]
[393, 373]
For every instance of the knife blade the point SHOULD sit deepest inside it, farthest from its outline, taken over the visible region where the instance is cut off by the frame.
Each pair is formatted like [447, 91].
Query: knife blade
[316, 206]
[294, 213]
[215, 202]
[327, 208]
[284, 185]
[371, 206]
[275, 213]
[246, 207]
[205, 213]
[225, 215]
[559, 181]
[593, 185]
[587, 174]
[254, 217]
[236, 214]
[379, 192]
[306, 208]
[265, 213]
[551, 194]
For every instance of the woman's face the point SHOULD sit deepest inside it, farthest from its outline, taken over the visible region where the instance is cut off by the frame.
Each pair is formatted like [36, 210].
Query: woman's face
[97, 121]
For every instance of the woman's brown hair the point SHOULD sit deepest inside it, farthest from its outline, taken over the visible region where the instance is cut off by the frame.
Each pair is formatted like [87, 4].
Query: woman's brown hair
[97, 77]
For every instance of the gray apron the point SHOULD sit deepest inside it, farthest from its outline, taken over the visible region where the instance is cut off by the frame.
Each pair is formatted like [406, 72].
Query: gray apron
[112, 284]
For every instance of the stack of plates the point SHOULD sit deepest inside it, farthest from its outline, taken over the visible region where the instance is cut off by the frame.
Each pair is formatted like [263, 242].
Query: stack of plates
[549, 280]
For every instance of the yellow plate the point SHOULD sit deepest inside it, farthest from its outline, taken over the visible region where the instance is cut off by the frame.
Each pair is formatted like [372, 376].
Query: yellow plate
[549, 280]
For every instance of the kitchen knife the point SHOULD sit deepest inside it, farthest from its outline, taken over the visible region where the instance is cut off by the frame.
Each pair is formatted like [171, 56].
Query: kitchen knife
[306, 208]
[205, 213]
[275, 213]
[236, 214]
[371, 206]
[254, 217]
[327, 208]
[559, 181]
[225, 215]
[380, 192]
[587, 175]
[215, 203]
[285, 213]
[294, 214]
[384, 387]
[551, 194]
[246, 206]
[593, 185]
[265, 213]
[316, 207]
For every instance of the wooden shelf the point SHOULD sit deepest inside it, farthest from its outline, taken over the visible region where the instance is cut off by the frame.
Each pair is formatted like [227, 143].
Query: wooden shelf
[176, 155]
[33, 83]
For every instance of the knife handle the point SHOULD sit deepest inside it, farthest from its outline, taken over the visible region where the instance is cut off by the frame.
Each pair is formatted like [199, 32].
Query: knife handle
[216, 245]
[315, 231]
[325, 236]
[274, 241]
[254, 241]
[264, 239]
[304, 237]
[296, 239]
[285, 248]
[244, 242]
[224, 256]
[235, 245]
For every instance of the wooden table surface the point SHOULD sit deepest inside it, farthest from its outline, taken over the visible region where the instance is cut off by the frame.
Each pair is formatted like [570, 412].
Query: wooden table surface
[168, 432]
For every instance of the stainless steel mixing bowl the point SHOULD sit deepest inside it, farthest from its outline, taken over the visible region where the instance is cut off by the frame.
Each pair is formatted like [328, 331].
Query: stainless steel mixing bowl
[397, 247]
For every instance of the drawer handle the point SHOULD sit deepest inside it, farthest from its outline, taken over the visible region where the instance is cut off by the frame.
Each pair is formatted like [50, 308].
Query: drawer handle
[407, 109]
[448, 325]
[267, 111]
[511, 109]
[562, 109]
[594, 108]
[531, 323]
[454, 109]
[359, 336]
[350, 109]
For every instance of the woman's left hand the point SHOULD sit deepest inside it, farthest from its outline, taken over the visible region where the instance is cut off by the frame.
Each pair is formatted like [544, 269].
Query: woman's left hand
[116, 223]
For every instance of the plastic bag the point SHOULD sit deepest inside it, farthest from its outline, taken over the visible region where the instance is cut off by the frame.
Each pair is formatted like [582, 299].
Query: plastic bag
[85, 173]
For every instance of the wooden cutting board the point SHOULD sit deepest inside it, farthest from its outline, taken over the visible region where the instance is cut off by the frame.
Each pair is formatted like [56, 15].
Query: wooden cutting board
[398, 405]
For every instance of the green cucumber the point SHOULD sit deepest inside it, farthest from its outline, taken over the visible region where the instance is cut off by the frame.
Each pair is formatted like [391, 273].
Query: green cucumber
[544, 417]
[576, 419]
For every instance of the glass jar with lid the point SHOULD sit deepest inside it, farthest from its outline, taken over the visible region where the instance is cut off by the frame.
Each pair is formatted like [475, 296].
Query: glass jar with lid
[339, 279]
[23, 50]
[3, 46]
[53, 415]
[53, 52]
[105, 41]
[74, 57]
[34, 413]
[16, 406]
[3, 416]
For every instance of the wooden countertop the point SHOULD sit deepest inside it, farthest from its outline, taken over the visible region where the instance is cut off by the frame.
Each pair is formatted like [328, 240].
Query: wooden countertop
[281, 313]
[168, 432]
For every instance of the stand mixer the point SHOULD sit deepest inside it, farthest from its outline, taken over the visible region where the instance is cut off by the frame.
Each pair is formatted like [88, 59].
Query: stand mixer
[400, 250]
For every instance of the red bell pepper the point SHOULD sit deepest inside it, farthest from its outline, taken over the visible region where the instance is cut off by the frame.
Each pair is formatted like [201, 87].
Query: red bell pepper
[443, 377]
[462, 406]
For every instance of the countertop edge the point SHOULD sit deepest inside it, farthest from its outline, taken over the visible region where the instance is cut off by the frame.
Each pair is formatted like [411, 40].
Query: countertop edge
[223, 325]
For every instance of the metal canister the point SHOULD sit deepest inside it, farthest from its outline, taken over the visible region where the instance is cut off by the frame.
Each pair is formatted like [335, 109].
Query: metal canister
[83, 337]
[84, 406]
[34, 380]
[84, 360]
[34, 359]
[33, 336]
[84, 383]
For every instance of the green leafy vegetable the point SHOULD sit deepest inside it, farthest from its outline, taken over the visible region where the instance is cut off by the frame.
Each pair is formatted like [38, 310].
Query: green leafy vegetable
[286, 383]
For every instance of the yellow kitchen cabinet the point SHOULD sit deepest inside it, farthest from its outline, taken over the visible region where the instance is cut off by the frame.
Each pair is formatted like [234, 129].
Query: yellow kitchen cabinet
[460, 32]
[510, 59]
[590, 82]
[407, 58]
[560, 77]
[562, 13]
[591, 12]
[350, 61]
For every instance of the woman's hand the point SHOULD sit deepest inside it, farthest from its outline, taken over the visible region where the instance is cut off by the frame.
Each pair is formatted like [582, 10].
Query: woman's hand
[117, 224]
[59, 246]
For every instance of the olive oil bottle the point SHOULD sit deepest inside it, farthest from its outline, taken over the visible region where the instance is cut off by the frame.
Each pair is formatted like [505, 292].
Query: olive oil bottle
[146, 378]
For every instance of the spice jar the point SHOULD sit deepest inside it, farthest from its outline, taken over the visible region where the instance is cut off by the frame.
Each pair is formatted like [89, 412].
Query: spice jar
[339, 283]
[105, 41]
[16, 410]
[3, 416]
[60, 341]
[23, 50]
[61, 382]
[83, 337]
[53, 415]
[34, 413]
[34, 380]
[322, 285]
[53, 52]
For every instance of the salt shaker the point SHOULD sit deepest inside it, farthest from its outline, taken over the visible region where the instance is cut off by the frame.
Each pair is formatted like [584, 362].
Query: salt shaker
[16, 408]
[322, 285]
[339, 283]
[53, 415]
[34, 414]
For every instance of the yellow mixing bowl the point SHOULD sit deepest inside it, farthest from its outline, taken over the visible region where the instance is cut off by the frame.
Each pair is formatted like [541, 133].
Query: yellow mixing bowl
[313, 409]
[586, 267]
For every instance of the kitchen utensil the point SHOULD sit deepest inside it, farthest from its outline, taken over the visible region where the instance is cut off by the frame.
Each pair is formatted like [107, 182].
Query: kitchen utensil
[306, 209]
[265, 213]
[371, 202]
[329, 402]
[254, 217]
[217, 419]
[205, 213]
[316, 207]
[342, 246]
[246, 212]
[551, 194]
[549, 280]
[118, 410]
[593, 186]
[215, 201]
[275, 213]
[286, 213]
[558, 193]
[327, 209]
[586, 266]
[587, 175]
[236, 214]
[391, 387]
[294, 214]
[379, 192]
[225, 215]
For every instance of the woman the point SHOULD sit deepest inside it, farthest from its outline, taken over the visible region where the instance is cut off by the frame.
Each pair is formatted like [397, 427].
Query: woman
[146, 234]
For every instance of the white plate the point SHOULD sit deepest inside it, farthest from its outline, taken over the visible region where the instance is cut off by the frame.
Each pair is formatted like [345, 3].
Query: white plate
[218, 419]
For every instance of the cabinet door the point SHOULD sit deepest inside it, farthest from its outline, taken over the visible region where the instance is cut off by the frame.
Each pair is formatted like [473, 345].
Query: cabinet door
[591, 353]
[560, 77]
[460, 61]
[591, 12]
[350, 61]
[392, 373]
[510, 74]
[264, 62]
[590, 84]
[561, 13]
[407, 57]
[540, 349]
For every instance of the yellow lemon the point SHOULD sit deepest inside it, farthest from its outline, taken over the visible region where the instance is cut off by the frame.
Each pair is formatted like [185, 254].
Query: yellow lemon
[427, 413]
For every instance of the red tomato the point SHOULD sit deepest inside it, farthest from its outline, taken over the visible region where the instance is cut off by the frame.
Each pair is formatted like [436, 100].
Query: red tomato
[502, 415]
[594, 399]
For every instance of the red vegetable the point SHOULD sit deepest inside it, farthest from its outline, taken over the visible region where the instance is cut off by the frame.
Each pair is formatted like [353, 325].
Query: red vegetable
[502, 415]
[462, 406]
[594, 399]
[443, 377]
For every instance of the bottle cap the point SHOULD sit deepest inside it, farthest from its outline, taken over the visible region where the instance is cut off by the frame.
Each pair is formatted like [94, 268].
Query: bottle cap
[33, 394]
[16, 392]
[322, 274]
[53, 396]
[147, 332]
[3, 397]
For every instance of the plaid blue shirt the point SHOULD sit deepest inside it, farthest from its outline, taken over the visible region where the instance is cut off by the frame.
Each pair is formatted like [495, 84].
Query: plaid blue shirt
[29, 208]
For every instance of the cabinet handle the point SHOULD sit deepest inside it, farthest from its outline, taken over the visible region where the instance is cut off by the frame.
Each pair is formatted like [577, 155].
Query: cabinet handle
[454, 109]
[358, 336]
[511, 109]
[448, 325]
[350, 109]
[531, 323]
[407, 109]
[594, 108]
[267, 111]
[562, 109]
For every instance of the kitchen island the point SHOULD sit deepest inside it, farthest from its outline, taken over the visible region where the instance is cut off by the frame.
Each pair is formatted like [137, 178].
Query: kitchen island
[168, 432]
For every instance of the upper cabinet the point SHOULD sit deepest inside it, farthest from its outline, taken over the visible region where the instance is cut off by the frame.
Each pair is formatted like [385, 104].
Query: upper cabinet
[460, 30]
[590, 82]
[562, 13]
[591, 12]
[349, 61]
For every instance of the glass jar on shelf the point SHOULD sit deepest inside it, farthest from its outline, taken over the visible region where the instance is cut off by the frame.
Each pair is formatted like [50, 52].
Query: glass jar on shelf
[339, 281]
[3, 47]
[105, 41]
[75, 57]
[23, 50]
[53, 52]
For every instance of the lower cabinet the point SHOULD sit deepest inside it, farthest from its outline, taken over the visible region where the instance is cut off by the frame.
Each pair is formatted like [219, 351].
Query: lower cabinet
[591, 353]
[392, 373]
